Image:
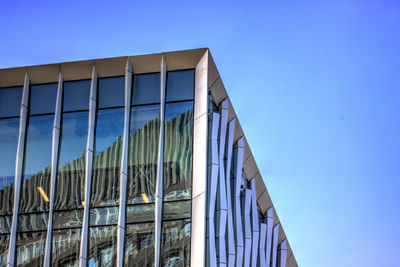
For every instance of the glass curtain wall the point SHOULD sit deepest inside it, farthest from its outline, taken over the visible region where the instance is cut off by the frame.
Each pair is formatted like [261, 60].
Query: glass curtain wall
[70, 180]
[10, 102]
[34, 194]
[104, 198]
[178, 146]
[142, 169]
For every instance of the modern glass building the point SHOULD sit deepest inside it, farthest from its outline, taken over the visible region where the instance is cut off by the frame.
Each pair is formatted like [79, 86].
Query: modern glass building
[130, 161]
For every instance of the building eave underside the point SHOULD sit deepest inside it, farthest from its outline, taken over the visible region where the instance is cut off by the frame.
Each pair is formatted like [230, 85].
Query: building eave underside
[107, 67]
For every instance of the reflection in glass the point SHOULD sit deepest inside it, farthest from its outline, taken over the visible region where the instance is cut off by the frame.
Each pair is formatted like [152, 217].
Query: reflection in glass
[175, 245]
[102, 246]
[65, 247]
[30, 249]
[9, 129]
[180, 85]
[111, 92]
[36, 184]
[107, 157]
[103, 216]
[5, 224]
[178, 143]
[67, 219]
[43, 98]
[140, 213]
[71, 164]
[76, 95]
[139, 245]
[32, 222]
[143, 149]
[4, 241]
[146, 89]
[177, 210]
[10, 101]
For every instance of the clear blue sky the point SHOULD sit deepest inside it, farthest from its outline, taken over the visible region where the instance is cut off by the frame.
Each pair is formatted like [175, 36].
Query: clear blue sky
[315, 84]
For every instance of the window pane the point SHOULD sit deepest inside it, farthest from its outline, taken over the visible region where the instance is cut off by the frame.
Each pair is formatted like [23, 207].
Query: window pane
[107, 157]
[139, 245]
[143, 152]
[9, 129]
[102, 246]
[36, 185]
[32, 222]
[180, 85]
[43, 98]
[104, 216]
[5, 224]
[65, 247]
[30, 249]
[177, 210]
[175, 246]
[71, 164]
[140, 213]
[111, 92]
[178, 142]
[146, 88]
[76, 95]
[10, 101]
[4, 241]
[67, 219]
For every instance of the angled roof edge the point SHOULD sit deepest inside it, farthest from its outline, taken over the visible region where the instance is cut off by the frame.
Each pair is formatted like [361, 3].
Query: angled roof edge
[251, 170]
[106, 67]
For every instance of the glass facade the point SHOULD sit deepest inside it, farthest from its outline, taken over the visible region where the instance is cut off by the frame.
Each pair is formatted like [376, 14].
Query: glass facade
[69, 201]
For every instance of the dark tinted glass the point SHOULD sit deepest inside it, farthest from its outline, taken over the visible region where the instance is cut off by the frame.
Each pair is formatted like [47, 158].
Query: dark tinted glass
[140, 213]
[139, 245]
[71, 165]
[111, 92]
[177, 210]
[4, 241]
[76, 95]
[32, 222]
[102, 246]
[43, 98]
[107, 157]
[30, 249]
[36, 184]
[175, 246]
[178, 143]
[65, 247]
[146, 88]
[143, 150]
[180, 85]
[10, 101]
[67, 219]
[9, 129]
[104, 216]
[5, 224]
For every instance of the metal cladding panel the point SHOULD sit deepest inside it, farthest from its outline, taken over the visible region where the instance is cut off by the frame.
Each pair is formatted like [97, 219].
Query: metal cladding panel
[199, 183]
[247, 228]
[270, 222]
[282, 254]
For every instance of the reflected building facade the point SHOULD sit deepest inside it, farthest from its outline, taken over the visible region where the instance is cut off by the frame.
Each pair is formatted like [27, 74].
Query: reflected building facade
[130, 161]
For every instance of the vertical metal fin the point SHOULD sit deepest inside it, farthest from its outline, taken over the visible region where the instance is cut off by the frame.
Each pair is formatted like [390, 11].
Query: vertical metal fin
[238, 210]
[229, 177]
[18, 170]
[54, 163]
[282, 252]
[160, 170]
[275, 245]
[268, 246]
[255, 224]
[247, 227]
[88, 169]
[263, 237]
[124, 166]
